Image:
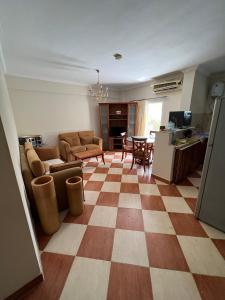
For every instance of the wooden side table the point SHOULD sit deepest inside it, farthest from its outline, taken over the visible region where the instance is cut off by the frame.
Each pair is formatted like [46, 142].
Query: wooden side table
[90, 153]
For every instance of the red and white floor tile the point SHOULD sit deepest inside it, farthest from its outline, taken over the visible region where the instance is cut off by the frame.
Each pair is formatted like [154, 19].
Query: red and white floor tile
[137, 239]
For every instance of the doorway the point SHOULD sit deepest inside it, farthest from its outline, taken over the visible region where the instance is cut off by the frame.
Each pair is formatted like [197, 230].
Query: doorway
[154, 116]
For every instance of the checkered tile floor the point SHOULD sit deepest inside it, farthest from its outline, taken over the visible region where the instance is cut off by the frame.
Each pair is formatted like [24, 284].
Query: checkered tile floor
[137, 239]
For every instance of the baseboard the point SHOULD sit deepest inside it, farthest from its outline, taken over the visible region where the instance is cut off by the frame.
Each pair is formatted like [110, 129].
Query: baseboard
[161, 179]
[23, 290]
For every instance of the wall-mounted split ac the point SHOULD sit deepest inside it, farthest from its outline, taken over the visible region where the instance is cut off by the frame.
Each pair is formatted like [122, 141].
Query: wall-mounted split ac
[169, 85]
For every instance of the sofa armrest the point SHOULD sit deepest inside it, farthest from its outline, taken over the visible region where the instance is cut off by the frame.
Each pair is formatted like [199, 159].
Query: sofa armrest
[64, 149]
[98, 141]
[67, 173]
[60, 178]
[63, 166]
[46, 153]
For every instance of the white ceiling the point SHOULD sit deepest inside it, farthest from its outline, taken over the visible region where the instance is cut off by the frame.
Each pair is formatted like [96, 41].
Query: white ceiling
[44, 39]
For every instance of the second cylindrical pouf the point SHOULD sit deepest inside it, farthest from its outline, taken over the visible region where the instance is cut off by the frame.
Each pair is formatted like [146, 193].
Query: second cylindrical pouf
[74, 189]
[45, 199]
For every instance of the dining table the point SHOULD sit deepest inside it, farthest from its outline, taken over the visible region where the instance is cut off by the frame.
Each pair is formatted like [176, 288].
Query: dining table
[150, 140]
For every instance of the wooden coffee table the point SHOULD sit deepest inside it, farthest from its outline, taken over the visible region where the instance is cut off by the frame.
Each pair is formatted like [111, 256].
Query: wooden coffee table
[90, 153]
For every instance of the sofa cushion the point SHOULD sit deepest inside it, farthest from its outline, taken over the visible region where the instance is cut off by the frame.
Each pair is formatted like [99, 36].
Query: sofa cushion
[76, 149]
[92, 146]
[27, 178]
[54, 161]
[36, 165]
[63, 166]
[72, 138]
[28, 146]
[86, 137]
[46, 165]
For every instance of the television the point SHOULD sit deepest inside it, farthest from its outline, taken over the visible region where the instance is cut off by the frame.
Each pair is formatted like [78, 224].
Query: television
[181, 119]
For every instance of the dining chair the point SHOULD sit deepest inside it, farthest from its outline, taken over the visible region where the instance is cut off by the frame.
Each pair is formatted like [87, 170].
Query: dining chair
[141, 151]
[152, 134]
[126, 148]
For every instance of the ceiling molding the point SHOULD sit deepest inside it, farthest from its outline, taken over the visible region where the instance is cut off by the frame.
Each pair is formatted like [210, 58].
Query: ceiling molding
[47, 79]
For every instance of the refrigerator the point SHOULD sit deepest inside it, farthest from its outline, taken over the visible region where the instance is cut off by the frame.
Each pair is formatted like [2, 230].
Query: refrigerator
[211, 200]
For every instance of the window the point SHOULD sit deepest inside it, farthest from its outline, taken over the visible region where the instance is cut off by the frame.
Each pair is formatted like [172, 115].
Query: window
[154, 116]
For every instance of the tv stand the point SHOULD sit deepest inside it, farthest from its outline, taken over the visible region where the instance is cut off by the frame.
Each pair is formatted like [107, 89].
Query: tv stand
[115, 143]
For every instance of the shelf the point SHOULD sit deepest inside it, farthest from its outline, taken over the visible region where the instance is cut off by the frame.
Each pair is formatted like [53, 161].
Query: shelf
[117, 119]
[118, 114]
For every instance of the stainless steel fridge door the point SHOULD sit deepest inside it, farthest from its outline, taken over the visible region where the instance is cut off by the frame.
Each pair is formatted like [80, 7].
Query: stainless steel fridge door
[212, 200]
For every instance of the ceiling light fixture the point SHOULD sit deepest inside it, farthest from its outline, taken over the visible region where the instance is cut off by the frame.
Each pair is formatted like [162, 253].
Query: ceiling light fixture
[100, 92]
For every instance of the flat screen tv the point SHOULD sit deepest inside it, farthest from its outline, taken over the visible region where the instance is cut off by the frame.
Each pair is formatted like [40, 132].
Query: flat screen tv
[181, 119]
[116, 131]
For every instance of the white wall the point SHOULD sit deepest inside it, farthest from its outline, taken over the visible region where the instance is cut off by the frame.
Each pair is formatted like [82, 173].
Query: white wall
[199, 93]
[210, 102]
[199, 102]
[215, 77]
[187, 89]
[171, 101]
[18, 251]
[47, 108]
[195, 97]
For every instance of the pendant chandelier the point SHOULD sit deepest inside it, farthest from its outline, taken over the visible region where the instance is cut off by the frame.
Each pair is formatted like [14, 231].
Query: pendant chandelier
[100, 92]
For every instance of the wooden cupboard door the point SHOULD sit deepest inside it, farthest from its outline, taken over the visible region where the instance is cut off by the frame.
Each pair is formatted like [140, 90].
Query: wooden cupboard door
[104, 124]
[187, 160]
[132, 109]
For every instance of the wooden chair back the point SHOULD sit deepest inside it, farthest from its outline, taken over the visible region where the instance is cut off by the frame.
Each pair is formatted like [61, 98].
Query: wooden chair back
[152, 133]
[140, 147]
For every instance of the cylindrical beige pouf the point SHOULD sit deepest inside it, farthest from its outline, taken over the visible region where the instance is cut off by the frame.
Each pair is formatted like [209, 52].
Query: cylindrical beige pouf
[74, 189]
[45, 198]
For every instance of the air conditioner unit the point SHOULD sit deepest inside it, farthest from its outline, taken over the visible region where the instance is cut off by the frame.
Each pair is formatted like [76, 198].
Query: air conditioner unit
[168, 85]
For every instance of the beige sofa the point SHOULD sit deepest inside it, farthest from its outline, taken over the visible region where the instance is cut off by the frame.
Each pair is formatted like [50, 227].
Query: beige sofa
[41, 161]
[71, 143]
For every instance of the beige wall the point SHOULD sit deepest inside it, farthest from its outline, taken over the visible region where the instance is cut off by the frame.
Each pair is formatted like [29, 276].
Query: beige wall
[19, 257]
[47, 108]
[171, 101]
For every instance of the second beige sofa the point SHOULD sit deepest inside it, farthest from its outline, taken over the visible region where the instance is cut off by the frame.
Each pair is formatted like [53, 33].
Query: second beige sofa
[71, 143]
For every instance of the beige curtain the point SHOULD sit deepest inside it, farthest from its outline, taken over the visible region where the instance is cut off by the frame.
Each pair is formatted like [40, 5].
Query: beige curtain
[142, 117]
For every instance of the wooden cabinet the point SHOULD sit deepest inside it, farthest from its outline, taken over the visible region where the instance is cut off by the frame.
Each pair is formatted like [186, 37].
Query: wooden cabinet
[104, 124]
[132, 109]
[116, 118]
[188, 159]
